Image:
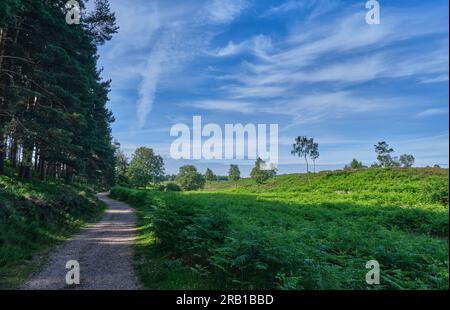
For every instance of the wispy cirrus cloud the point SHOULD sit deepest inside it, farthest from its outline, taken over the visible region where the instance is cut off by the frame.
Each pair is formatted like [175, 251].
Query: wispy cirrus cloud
[314, 67]
[432, 112]
[259, 45]
[340, 55]
[222, 12]
[435, 79]
[158, 39]
[303, 53]
[223, 105]
[315, 7]
[307, 108]
[179, 42]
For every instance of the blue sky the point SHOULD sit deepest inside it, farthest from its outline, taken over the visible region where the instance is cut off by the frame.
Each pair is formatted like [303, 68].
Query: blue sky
[315, 67]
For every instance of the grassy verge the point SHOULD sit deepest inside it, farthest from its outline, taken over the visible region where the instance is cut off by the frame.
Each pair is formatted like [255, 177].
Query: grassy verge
[292, 234]
[34, 216]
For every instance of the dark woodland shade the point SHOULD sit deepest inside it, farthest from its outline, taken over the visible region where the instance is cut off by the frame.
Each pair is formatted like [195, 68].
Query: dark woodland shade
[53, 115]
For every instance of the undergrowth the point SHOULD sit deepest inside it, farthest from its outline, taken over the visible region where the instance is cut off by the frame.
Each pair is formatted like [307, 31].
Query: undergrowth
[34, 216]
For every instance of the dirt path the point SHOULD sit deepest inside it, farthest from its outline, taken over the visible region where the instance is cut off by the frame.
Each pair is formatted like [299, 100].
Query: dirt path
[104, 251]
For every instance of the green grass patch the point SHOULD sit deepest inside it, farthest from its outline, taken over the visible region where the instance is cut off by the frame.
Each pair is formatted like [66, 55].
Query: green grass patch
[290, 233]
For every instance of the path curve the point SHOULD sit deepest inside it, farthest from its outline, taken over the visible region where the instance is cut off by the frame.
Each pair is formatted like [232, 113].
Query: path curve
[104, 251]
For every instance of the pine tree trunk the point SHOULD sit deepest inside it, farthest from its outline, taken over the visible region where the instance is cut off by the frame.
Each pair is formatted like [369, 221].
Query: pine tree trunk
[307, 169]
[2, 151]
[3, 32]
[42, 169]
[26, 164]
[2, 163]
[49, 169]
[13, 153]
[69, 175]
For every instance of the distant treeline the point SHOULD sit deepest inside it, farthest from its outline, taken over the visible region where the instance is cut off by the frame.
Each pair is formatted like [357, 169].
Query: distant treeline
[53, 115]
[173, 177]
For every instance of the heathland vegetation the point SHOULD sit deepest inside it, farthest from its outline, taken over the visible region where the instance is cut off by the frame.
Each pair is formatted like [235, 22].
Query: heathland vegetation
[291, 233]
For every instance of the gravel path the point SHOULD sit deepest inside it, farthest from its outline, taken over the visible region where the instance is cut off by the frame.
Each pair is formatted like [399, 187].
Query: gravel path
[104, 251]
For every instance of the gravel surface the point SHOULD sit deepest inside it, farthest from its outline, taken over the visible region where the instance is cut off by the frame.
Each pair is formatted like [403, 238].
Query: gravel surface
[104, 251]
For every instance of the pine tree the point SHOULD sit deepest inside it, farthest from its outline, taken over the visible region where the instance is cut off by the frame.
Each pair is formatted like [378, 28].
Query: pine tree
[52, 99]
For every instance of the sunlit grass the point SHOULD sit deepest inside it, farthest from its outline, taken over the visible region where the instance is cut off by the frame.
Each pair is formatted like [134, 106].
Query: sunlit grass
[325, 230]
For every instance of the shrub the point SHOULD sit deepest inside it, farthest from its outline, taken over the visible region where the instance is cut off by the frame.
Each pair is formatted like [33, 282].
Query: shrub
[120, 193]
[437, 191]
[252, 260]
[209, 175]
[169, 223]
[172, 187]
[207, 231]
[159, 187]
[258, 173]
[354, 164]
[190, 179]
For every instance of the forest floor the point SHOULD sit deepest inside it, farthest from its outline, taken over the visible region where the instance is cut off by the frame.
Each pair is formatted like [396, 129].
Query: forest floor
[104, 251]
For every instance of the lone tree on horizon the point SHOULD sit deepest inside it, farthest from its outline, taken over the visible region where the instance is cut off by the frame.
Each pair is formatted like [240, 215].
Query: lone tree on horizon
[384, 154]
[314, 153]
[407, 160]
[304, 147]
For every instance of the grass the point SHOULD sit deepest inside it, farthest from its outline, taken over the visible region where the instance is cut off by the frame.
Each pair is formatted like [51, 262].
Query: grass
[34, 216]
[292, 234]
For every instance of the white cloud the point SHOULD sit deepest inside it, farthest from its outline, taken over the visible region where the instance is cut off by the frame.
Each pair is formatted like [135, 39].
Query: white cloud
[432, 112]
[230, 49]
[302, 109]
[147, 87]
[223, 12]
[238, 92]
[223, 105]
[316, 7]
[157, 40]
[435, 79]
[259, 45]
[302, 54]
[337, 55]
[285, 7]
[178, 33]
